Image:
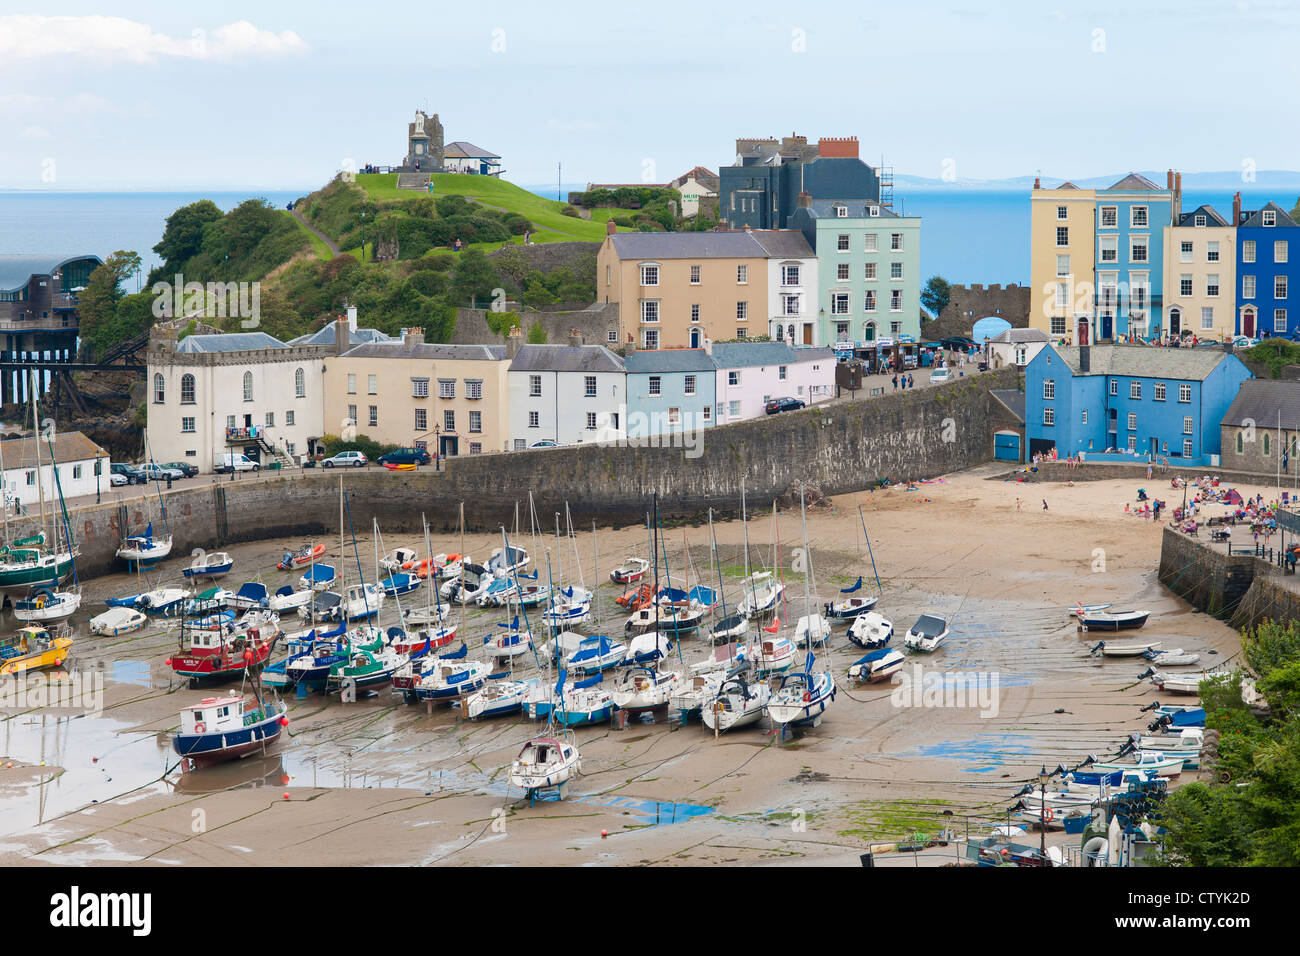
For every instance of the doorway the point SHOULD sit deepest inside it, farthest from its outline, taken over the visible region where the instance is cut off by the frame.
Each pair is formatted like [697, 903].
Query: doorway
[1175, 323]
[448, 446]
[1248, 323]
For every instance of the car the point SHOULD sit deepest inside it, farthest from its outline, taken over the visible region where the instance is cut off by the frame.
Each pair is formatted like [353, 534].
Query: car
[346, 459]
[941, 375]
[156, 472]
[958, 343]
[232, 462]
[133, 475]
[116, 480]
[545, 443]
[775, 405]
[184, 467]
[404, 456]
[1244, 342]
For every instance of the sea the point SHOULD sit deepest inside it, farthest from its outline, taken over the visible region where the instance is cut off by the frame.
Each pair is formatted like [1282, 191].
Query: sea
[968, 235]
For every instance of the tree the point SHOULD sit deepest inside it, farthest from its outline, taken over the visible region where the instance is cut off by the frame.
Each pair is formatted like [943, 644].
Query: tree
[473, 279]
[536, 334]
[935, 295]
[98, 302]
[182, 239]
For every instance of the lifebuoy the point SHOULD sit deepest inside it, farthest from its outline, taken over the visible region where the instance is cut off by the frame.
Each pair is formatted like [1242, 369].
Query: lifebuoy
[1048, 815]
[200, 727]
[807, 696]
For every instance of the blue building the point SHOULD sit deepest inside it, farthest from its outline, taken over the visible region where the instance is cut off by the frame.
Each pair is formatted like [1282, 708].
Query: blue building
[1130, 399]
[669, 391]
[1131, 218]
[1265, 270]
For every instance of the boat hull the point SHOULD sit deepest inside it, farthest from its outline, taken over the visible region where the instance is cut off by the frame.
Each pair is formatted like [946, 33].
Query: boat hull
[204, 750]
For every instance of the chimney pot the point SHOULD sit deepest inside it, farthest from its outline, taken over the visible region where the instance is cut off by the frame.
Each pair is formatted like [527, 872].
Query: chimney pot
[1236, 208]
[1038, 183]
[575, 337]
[514, 339]
[610, 228]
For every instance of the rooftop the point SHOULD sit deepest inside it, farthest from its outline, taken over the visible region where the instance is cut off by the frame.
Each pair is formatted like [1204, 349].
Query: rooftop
[1012, 398]
[432, 352]
[566, 358]
[227, 342]
[463, 150]
[1135, 181]
[750, 354]
[325, 336]
[669, 360]
[17, 270]
[68, 447]
[1260, 401]
[1141, 361]
[712, 245]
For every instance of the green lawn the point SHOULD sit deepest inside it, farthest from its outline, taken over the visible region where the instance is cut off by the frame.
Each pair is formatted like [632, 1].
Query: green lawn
[552, 224]
[317, 245]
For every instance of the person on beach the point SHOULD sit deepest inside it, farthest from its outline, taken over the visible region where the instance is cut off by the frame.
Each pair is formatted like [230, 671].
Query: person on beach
[895, 381]
[1018, 503]
[1044, 504]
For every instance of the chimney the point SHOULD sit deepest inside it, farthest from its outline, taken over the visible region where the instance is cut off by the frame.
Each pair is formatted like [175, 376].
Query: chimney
[630, 347]
[514, 339]
[805, 199]
[412, 337]
[708, 345]
[342, 339]
[575, 337]
[1038, 184]
[610, 228]
[1236, 207]
[352, 318]
[1178, 196]
[1169, 179]
[1085, 359]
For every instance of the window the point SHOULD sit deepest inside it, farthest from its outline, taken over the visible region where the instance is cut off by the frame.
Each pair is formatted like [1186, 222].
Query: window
[1158, 391]
[895, 241]
[790, 304]
[1062, 212]
[589, 386]
[789, 275]
[611, 336]
[1114, 386]
[474, 388]
[372, 384]
[288, 419]
[421, 419]
[1135, 390]
[534, 386]
[1185, 284]
[1058, 325]
[742, 333]
[1109, 216]
[448, 420]
[1185, 252]
[655, 385]
[1279, 320]
[270, 419]
[695, 313]
[1211, 252]
[1240, 444]
[649, 275]
[840, 303]
[1187, 448]
[1187, 426]
[532, 420]
[733, 378]
[352, 415]
[841, 331]
[446, 388]
[187, 389]
[742, 311]
[1207, 317]
[706, 413]
[1248, 250]
[374, 415]
[688, 385]
[842, 272]
[1212, 284]
[419, 388]
[1049, 389]
[1109, 248]
[31, 479]
[1248, 287]
[733, 409]
[1279, 287]
[895, 270]
[1138, 248]
[1198, 220]
[299, 383]
[1270, 217]
[1085, 417]
[842, 242]
[742, 275]
[1268, 445]
[248, 386]
[1062, 265]
[695, 275]
[871, 242]
[591, 421]
[896, 300]
[522, 443]
[650, 339]
[1184, 393]
[1049, 416]
[781, 372]
[476, 421]
[650, 310]
[841, 212]
[159, 389]
[1132, 421]
[1138, 217]
[1132, 442]
[352, 384]
[187, 425]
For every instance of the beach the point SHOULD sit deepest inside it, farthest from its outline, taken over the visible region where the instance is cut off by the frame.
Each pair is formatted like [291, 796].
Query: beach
[378, 781]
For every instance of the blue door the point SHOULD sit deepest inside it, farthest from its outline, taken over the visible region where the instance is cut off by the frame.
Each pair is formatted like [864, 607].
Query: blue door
[1006, 446]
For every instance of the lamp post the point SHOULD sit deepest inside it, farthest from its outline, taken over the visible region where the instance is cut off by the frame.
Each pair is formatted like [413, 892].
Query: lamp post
[1042, 813]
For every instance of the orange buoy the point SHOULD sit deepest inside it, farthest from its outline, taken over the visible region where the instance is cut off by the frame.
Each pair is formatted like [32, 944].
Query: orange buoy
[286, 795]
[284, 721]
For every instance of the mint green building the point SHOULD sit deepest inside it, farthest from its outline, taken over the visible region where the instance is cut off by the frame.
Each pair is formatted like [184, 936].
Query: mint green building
[869, 274]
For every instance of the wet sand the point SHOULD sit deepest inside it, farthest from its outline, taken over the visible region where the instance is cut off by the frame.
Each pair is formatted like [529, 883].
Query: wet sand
[381, 782]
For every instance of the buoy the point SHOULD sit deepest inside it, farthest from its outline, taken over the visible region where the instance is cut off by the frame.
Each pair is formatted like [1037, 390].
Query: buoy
[604, 834]
[285, 779]
[286, 795]
[284, 721]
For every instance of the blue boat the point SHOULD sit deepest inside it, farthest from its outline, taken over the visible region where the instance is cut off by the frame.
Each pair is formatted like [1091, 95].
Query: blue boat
[584, 703]
[596, 654]
[450, 676]
[318, 577]
[210, 566]
[251, 594]
[309, 659]
[399, 584]
[223, 728]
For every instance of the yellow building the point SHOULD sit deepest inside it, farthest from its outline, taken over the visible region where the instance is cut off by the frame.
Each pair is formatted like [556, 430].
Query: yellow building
[448, 398]
[1062, 251]
[1200, 275]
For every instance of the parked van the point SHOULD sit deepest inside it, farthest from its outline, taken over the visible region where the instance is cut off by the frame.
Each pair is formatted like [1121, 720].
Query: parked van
[232, 462]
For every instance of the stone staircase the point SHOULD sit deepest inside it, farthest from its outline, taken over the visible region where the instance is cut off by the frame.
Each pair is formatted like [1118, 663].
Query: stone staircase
[412, 180]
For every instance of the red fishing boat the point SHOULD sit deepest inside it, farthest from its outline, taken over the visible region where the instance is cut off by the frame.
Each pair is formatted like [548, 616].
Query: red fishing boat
[219, 655]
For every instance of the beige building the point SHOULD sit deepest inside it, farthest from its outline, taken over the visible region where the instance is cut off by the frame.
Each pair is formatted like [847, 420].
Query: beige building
[449, 399]
[1200, 275]
[676, 289]
[1062, 259]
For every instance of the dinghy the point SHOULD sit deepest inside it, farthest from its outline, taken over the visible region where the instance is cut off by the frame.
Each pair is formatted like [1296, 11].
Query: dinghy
[630, 571]
[927, 634]
[1175, 657]
[814, 628]
[877, 666]
[545, 762]
[400, 559]
[212, 565]
[48, 604]
[1082, 610]
[34, 648]
[227, 728]
[1114, 620]
[1188, 685]
[738, 702]
[1106, 649]
[117, 620]
[871, 630]
[640, 689]
[304, 556]
[850, 607]
[636, 598]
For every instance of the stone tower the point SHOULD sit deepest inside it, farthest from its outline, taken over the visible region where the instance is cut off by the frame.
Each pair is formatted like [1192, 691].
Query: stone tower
[424, 145]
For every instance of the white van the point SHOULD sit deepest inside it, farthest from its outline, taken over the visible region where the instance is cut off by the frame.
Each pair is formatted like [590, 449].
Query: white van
[232, 462]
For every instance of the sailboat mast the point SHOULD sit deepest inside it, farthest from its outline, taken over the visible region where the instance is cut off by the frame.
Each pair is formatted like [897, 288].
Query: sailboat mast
[36, 441]
[879, 589]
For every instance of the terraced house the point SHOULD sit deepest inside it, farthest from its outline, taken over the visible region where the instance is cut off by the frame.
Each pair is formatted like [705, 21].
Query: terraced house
[1200, 273]
[1266, 273]
[1063, 254]
[677, 289]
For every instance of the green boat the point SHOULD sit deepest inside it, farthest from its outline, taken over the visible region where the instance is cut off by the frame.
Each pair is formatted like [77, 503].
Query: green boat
[27, 567]
[365, 669]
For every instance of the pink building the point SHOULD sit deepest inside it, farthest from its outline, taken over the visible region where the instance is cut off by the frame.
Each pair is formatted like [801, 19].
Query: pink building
[751, 373]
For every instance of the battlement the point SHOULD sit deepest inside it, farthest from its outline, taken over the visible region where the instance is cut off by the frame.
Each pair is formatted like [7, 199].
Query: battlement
[843, 147]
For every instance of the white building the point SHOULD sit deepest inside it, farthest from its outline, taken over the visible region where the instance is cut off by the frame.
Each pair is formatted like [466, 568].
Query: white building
[791, 287]
[751, 373]
[82, 466]
[699, 183]
[1016, 347]
[565, 394]
[243, 393]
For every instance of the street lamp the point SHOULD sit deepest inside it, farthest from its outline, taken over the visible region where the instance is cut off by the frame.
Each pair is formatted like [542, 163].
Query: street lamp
[1043, 777]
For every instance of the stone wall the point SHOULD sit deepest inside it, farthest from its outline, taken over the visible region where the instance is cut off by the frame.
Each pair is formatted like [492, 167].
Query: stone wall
[593, 323]
[1159, 483]
[968, 304]
[838, 449]
[1241, 588]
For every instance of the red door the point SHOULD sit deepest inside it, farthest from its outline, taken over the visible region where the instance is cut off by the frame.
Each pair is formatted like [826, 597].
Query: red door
[1248, 324]
[1083, 332]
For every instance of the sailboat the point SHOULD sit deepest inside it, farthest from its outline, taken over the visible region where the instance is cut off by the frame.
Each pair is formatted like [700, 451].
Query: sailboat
[640, 689]
[545, 763]
[53, 603]
[145, 548]
[450, 676]
[737, 703]
[850, 607]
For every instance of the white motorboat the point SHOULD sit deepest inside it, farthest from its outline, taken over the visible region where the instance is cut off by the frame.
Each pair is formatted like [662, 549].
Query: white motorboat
[1113, 620]
[814, 628]
[359, 601]
[630, 571]
[399, 559]
[287, 599]
[1082, 610]
[1174, 657]
[927, 634]
[737, 703]
[118, 620]
[762, 592]
[1161, 763]
[643, 688]
[468, 586]
[425, 614]
[728, 629]
[871, 630]
[545, 762]
[679, 618]
[48, 604]
[1107, 649]
[879, 665]
[1186, 684]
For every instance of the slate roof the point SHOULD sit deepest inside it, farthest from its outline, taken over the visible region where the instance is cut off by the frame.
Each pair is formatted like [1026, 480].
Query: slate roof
[227, 342]
[1012, 398]
[17, 270]
[1255, 217]
[669, 360]
[858, 209]
[1212, 217]
[69, 447]
[463, 150]
[1134, 181]
[1140, 361]
[705, 177]
[1259, 400]
[427, 351]
[325, 336]
[783, 243]
[709, 245]
[566, 358]
[1011, 336]
[751, 354]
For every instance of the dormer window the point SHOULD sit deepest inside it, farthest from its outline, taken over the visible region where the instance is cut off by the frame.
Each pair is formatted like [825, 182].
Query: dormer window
[1199, 220]
[1270, 217]
[842, 212]
[875, 212]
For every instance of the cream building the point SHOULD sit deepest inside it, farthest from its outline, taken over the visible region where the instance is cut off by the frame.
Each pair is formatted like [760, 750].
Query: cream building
[1200, 275]
[232, 393]
[1062, 259]
[676, 289]
[451, 399]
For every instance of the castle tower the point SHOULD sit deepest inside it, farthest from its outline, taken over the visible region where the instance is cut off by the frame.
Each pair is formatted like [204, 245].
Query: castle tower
[424, 143]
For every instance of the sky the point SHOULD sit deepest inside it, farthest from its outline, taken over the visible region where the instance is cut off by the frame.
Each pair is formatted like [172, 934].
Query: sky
[151, 96]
